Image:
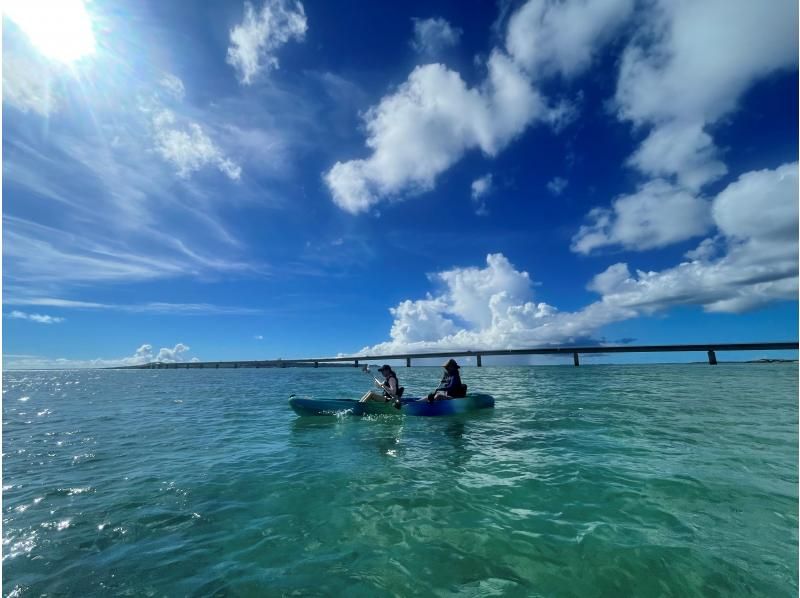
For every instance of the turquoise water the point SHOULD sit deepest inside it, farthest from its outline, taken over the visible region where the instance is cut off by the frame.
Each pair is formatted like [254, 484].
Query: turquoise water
[593, 481]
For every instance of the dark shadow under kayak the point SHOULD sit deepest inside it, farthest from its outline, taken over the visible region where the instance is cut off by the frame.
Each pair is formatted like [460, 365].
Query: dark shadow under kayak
[409, 406]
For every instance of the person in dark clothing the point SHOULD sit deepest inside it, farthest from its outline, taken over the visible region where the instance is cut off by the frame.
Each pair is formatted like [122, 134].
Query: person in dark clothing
[450, 387]
[391, 387]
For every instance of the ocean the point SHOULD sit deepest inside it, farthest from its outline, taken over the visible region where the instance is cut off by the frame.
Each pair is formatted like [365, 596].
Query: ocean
[635, 480]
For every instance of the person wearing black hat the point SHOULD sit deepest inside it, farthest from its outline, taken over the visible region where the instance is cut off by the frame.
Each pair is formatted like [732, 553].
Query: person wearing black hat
[391, 387]
[450, 386]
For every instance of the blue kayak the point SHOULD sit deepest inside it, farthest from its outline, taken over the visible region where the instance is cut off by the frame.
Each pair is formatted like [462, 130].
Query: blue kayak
[409, 406]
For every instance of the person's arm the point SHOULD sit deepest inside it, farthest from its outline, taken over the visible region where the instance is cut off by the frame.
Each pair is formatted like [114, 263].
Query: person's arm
[392, 387]
[443, 383]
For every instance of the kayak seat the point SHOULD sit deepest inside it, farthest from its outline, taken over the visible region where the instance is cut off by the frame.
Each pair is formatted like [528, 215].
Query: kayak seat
[460, 392]
[400, 391]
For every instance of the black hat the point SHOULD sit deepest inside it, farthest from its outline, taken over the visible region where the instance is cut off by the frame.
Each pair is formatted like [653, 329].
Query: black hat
[451, 363]
[385, 367]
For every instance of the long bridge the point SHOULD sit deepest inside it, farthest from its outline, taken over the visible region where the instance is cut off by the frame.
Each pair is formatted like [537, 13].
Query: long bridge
[710, 349]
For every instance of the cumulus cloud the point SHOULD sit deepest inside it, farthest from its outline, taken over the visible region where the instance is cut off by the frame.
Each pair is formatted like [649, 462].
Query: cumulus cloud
[656, 215]
[681, 149]
[757, 217]
[39, 318]
[427, 124]
[480, 188]
[423, 320]
[752, 262]
[482, 307]
[431, 120]
[432, 36]
[254, 42]
[688, 67]
[143, 355]
[685, 70]
[174, 355]
[547, 37]
[557, 185]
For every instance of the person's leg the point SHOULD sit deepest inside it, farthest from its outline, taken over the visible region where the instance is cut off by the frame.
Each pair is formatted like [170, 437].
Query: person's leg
[370, 395]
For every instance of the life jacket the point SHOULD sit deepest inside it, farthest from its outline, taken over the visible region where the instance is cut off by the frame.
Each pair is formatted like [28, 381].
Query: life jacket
[400, 389]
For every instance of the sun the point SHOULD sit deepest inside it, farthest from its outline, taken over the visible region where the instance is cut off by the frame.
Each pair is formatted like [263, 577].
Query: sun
[59, 29]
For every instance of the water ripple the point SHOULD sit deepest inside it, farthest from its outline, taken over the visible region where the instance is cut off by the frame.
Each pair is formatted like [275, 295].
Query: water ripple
[605, 480]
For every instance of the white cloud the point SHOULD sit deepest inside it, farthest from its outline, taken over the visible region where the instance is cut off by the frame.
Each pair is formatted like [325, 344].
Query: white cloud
[760, 205]
[143, 355]
[259, 337]
[682, 149]
[480, 188]
[489, 307]
[173, 85]
[547, 37]
[187, 147]
[44, 257]
[152, 307]
[707, 249]
[431, 120]
[557, 185]
[432, 36]
[255, 40]
[39, 318]
[476, 294]
[757, 217]
[424, 127]
[753, 262]
[420, 321]
[41, 253]
[688, 67]
[174, 355]
[656, 215]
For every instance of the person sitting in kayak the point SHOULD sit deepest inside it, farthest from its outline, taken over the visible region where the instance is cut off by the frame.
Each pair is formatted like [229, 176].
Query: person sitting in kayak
[390, 386]
[450, 386]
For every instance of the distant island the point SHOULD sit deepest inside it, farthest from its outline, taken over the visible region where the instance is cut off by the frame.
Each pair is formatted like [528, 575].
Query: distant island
[765, 360]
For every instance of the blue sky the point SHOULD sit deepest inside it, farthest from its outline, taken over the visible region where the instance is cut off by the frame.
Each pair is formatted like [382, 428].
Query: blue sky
[231, 180]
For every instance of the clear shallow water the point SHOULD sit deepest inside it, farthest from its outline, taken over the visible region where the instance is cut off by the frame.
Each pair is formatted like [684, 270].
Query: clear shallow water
[591, 481]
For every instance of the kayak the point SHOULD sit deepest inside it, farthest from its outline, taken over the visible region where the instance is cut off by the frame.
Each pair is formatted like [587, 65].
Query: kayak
[409, 406]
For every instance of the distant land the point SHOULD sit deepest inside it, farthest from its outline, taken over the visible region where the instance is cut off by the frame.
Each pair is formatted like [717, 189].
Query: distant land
[765, 360]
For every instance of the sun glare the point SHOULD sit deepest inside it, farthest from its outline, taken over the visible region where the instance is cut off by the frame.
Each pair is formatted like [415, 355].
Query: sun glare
[59, 29]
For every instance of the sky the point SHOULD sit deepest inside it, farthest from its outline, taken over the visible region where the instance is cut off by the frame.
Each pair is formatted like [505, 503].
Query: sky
[283, 179]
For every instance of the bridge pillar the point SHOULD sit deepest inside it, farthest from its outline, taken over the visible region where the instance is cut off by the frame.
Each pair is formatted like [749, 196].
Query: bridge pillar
[712, 358]
[356, 363]
[408, 362]
[316, 364]
[575, 359]
[478, 360]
